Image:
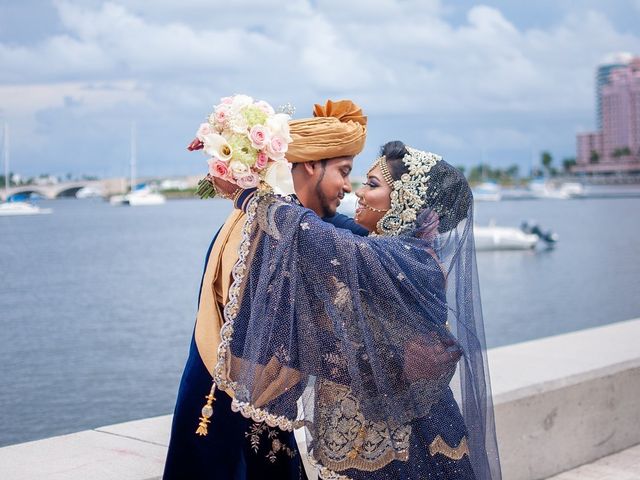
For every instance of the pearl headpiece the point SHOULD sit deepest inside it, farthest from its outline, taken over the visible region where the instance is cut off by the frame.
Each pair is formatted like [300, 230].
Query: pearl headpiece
[409, 194]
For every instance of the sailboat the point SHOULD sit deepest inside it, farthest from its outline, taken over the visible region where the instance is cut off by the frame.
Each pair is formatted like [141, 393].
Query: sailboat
[139, 195]
[10, 208]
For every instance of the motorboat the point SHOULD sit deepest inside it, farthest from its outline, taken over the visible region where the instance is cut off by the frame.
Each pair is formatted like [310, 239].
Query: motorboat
[21, 208]
[527, 237]
[503, 238]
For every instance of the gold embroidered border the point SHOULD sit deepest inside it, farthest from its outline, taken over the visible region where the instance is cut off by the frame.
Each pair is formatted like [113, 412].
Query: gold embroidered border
[440, 446]
[366, 465]
[325, 473]
[226, 334]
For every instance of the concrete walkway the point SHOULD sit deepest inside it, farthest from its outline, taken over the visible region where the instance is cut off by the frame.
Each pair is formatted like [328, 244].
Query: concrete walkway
[624, 465]
[127, 451]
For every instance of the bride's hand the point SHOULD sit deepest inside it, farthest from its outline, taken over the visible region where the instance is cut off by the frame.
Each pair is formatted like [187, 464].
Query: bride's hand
[430, 358]
[226, 189]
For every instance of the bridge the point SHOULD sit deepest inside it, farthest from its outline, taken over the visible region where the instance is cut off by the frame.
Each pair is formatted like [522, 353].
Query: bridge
[107, 187]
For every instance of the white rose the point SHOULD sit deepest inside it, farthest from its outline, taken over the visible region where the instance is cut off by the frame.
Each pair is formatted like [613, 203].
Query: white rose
[279, 125]
[278, 176]
[239, 101]
[238, 167]
[215, 145]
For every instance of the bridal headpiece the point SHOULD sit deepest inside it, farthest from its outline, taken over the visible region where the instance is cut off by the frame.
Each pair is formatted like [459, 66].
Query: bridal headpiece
[411, 193]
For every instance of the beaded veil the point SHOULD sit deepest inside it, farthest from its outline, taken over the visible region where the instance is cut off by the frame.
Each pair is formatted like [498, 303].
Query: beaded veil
[335, 334]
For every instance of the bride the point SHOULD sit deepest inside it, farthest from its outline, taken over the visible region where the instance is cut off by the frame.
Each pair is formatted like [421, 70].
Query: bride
[373, 347]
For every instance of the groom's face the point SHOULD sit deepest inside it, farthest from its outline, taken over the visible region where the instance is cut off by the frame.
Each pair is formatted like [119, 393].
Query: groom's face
[326, 184]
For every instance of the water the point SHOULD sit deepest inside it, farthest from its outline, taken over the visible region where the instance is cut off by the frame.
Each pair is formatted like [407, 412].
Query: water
[97, 303]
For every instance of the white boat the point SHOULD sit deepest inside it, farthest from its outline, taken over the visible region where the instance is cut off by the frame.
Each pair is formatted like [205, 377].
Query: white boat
[563, 191]
[503, 238]
[141, 195]
[15, 208]
[144, 197]
[487, 192]
[21, 208]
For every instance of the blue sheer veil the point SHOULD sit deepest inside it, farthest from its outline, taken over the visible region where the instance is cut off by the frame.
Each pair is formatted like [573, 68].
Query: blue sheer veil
[314, 311]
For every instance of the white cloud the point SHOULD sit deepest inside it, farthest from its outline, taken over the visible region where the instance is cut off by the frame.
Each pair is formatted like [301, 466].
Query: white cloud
[20, 104]
[394, 57]
[402, 55]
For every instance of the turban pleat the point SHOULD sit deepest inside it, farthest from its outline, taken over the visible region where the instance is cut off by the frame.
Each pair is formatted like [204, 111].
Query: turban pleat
[338, 129]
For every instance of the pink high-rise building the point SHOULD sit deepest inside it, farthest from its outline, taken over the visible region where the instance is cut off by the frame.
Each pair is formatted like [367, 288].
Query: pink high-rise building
[616, 148]
[589, 148]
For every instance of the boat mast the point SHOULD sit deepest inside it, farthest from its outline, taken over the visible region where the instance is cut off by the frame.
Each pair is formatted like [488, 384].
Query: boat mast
[5, 137]
[133, 156]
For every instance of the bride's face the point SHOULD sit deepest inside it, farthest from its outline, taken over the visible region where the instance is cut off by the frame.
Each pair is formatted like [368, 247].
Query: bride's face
[373, 200]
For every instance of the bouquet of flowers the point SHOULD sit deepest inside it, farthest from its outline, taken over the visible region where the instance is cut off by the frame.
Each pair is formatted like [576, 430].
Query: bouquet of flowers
[246, 142]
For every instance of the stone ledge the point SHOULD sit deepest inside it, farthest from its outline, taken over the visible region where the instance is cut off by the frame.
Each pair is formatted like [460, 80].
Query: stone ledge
[560, 402]
[85, 455]
[566, 400]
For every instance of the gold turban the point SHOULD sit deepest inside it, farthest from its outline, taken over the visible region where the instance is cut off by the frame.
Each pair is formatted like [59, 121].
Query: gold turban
[337, 129]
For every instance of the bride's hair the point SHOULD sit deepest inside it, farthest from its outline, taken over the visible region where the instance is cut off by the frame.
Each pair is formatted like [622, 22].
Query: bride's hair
[451, 199]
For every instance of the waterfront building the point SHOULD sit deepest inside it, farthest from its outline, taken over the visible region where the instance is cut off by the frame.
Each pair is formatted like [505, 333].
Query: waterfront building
[615, 147]
[619, 60]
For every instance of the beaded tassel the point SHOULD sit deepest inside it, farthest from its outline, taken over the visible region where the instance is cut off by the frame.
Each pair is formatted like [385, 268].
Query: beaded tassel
[207, 411]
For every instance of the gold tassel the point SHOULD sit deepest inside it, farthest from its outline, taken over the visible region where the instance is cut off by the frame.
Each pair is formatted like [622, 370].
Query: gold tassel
[207, 411]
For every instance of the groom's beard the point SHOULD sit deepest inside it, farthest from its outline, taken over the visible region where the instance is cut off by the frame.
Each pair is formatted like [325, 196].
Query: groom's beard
[325, 206]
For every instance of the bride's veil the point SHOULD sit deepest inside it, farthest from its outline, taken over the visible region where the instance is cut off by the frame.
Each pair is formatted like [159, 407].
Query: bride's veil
[331, 333]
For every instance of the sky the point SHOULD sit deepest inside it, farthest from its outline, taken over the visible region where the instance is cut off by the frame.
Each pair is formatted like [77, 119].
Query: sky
[496, 81]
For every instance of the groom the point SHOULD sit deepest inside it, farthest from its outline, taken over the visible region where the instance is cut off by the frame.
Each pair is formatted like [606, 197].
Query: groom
[234, 447]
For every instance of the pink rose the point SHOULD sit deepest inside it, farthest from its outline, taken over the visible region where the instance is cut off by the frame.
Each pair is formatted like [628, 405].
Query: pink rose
[221, 116]
[277, 147]
[262, 160]
[218, 168]
[259, 137]
[248, 180]
[226, 100]
[203, 131]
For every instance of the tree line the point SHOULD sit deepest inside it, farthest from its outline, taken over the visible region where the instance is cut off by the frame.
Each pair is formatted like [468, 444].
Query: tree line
[512, 175]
